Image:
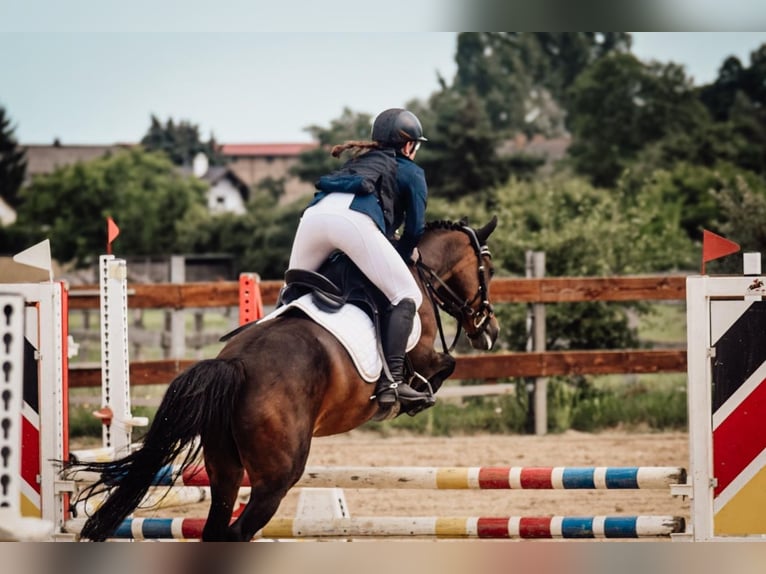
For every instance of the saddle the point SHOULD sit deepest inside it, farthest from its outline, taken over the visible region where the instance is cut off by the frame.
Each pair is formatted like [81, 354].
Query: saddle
[337, 284]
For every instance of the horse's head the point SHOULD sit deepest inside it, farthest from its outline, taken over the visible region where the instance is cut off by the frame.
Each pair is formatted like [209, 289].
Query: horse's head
[456, 271]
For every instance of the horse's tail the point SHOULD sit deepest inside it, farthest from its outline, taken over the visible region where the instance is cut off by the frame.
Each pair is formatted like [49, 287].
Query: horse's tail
[200, 398]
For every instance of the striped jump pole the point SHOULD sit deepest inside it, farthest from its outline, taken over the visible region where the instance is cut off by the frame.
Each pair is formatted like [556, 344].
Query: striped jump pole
[522, 527]
[495, 478]
[453, 478]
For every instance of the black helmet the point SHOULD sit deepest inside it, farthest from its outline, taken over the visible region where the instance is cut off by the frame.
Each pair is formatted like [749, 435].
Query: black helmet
[396, 126]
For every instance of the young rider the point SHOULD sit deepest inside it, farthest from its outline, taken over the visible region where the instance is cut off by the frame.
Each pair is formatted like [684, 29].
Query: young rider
[357, 209]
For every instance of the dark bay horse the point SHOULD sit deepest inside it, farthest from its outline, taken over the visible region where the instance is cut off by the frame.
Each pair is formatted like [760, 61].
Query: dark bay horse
[274, 386]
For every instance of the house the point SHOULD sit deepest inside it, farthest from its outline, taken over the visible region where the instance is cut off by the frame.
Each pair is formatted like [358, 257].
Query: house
[255, 162]
[227, 192]
[549, 149]
[44, 159]
[7, 214]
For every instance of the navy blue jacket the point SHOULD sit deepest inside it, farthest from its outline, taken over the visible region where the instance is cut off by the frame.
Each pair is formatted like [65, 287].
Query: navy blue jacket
[410, 201]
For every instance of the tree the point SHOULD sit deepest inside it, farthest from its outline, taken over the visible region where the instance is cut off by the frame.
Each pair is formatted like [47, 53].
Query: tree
[523, 77]
[461, 156]
[181, 142]
[733, 79]
[620, 105]
[13, 162]
[719, 96]
[737, 100]
[145, 194]
[741, 201]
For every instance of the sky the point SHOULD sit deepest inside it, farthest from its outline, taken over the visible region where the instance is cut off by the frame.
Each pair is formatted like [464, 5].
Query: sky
[244, 87]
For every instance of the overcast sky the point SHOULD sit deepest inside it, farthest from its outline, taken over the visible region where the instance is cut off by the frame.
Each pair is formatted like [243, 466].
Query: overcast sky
[92, 88]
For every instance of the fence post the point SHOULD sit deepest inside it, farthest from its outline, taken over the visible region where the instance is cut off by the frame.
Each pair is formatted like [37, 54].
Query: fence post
[535, 268]
[175, 320]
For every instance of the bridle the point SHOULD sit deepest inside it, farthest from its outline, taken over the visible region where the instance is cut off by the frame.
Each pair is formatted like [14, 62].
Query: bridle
[443, 297]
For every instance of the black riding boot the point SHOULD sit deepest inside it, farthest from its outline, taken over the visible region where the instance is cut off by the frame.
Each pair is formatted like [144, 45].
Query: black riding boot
[396, 328]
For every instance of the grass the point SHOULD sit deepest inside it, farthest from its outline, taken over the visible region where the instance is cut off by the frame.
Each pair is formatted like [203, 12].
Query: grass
[664, 324]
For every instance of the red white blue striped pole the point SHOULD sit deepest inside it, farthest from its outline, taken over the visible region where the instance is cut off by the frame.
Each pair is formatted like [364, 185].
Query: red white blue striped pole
[528, 527]
[482, 478]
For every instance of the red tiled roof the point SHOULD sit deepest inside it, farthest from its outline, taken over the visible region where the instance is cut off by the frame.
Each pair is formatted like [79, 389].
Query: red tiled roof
[278, 149]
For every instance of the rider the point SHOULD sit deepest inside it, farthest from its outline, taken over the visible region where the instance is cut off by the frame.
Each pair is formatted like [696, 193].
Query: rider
[382, 188]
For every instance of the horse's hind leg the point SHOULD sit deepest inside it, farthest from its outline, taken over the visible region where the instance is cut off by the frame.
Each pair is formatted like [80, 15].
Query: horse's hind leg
[225, 471]
[263, 504]
[270, 478]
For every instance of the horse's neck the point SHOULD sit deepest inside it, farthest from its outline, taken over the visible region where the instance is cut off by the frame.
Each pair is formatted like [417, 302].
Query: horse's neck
[438, 248]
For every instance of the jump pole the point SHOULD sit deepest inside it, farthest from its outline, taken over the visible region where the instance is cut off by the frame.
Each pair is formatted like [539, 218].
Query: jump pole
[726, 322]
[500, 527]
[450, 478]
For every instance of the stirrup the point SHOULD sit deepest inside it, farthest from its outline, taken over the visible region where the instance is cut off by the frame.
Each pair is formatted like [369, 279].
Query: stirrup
[386, 389]
[420, 396]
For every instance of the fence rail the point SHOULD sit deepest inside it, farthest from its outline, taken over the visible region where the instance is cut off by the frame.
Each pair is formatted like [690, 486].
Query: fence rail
[504, 290]
[487, 366]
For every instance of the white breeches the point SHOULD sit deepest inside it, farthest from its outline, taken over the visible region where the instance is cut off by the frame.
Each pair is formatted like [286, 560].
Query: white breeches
[331, 225]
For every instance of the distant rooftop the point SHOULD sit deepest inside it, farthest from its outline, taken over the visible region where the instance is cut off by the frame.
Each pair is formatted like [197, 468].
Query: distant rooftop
[42, 158]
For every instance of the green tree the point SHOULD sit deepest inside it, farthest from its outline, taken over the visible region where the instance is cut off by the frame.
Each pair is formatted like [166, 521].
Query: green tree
[181, 142]
[620, 105]
[461, 156]
[13, 162]
[142, 191]
[719, 96]
[733, 78]
[737, 100]
[523, 77]
[568, 219]
[741, 199]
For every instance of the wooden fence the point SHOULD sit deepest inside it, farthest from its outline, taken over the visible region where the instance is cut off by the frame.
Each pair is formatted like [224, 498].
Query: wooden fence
[489, 366]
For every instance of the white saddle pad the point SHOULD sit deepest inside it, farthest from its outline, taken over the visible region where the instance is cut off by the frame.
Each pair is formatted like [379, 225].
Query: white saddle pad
[353, 329]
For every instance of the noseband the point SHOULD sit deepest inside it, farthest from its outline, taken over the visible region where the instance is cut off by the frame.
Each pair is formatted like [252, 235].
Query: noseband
[445, 298]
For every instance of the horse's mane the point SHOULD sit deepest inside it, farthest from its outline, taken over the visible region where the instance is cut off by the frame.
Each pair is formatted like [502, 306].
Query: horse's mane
[445, 224]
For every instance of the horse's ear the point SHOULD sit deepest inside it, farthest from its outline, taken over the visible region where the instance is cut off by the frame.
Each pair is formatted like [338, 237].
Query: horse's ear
[463, 221]
[483, 233]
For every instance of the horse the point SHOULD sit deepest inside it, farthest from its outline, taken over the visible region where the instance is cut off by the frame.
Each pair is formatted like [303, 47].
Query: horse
[275, 385]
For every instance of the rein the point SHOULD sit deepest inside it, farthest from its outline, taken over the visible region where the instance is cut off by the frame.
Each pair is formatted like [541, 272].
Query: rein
[450, 302]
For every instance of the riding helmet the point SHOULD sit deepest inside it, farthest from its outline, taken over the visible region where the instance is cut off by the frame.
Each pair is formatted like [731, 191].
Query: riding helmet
[396, 126]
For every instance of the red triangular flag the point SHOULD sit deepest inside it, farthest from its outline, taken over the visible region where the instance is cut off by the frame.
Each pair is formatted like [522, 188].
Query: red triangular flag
[715, 246]
[112, 231]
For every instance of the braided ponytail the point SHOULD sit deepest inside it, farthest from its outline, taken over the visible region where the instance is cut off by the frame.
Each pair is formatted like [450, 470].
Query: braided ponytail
[359, 146]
